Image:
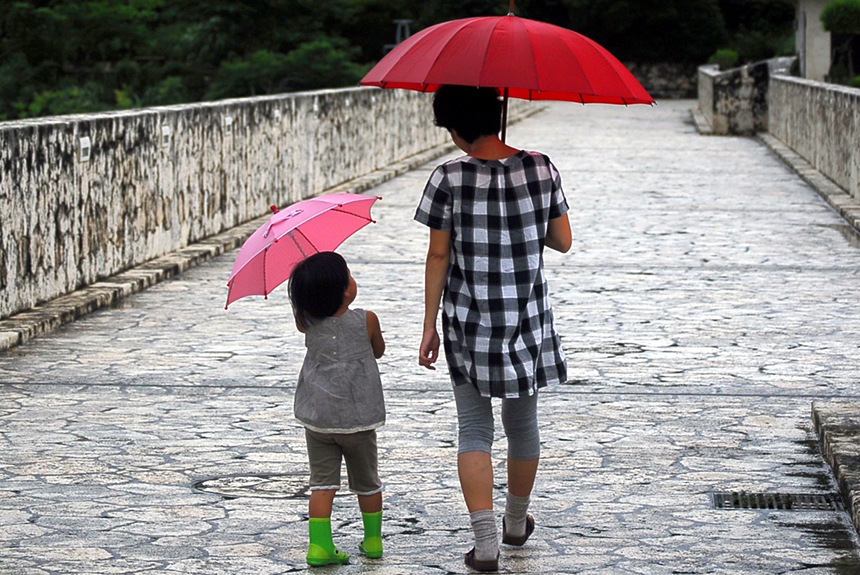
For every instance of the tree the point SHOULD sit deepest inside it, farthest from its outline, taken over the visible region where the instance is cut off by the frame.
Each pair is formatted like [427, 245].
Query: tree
[759, 29]
[842, 19]
[639, 30]
[71, 56]
[63, 56]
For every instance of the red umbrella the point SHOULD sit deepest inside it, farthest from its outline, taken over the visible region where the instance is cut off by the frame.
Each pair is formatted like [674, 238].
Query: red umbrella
[525, 58]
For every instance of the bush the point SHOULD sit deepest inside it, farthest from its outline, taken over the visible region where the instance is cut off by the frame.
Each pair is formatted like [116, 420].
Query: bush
[842, 16]
[725, 58]
[842, 19]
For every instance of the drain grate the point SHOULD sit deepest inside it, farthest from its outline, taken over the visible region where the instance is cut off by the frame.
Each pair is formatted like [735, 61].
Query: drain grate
[779, 501]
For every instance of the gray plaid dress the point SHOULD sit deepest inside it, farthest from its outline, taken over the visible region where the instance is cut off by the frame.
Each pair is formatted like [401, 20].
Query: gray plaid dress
[497, 320]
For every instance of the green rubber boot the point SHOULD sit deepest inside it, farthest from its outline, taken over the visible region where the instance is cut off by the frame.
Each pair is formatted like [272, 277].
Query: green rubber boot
[372, 544]
[321, 550]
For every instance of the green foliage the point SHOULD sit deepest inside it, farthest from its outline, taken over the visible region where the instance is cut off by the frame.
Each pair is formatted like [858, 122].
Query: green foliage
[639, 30]
[65, 101]
[759, 29]
[841, 16]
[316, 64]
[63, 56]
[842, 19]
[725, 58]
[66, 56]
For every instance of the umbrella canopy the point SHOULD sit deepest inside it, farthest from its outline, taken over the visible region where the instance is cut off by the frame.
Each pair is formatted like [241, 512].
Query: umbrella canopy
[525, 58]
[319, 224]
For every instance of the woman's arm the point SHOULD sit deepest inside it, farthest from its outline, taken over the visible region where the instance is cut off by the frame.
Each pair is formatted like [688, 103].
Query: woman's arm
[435, 276]
[558, 235]
[374, 331]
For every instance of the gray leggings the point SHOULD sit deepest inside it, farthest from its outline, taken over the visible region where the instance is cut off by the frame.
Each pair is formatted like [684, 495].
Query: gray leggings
[475, 418]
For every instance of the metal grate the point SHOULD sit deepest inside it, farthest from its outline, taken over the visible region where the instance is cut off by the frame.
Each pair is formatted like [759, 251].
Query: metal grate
[779, 501]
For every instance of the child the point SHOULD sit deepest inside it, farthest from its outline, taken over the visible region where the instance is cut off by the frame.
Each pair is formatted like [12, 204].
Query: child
[338, 399]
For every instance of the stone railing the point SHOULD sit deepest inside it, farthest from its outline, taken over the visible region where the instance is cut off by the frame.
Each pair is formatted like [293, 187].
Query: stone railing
[821, 123]
[665, 79]
[735, 101]
[84, 197]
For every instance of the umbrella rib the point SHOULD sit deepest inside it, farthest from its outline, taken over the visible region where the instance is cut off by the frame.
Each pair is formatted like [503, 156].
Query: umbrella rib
[298, 245]
[265, 285]
[352, 214]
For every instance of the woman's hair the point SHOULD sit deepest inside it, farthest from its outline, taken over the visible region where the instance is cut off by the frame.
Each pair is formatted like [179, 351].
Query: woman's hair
[473, 112]
[317, 285]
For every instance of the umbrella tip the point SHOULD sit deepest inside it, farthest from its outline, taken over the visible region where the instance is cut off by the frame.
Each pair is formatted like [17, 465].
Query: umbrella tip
[274, 208]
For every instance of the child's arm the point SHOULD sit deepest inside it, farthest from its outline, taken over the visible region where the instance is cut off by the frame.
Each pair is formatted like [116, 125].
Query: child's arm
[375, 334]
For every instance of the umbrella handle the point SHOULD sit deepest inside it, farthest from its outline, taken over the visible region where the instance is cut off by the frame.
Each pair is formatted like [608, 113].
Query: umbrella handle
[505, 111]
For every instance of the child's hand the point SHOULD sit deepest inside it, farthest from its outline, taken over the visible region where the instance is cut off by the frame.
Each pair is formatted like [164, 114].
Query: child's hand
[429, 351]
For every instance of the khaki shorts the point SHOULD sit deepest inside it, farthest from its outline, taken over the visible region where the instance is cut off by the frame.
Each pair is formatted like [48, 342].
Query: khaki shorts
[325, 451]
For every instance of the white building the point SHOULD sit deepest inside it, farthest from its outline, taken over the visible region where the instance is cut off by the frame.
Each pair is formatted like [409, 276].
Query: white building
[813, 41]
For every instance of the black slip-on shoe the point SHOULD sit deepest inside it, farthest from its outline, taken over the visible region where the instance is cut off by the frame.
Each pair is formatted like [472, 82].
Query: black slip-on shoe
[521, 540]
[478, 565]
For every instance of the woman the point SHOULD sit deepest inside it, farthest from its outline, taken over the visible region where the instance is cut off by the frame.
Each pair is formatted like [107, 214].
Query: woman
[490, 214]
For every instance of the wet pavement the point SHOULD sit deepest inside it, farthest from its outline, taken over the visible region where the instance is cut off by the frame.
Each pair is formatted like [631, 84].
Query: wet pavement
[709, 298]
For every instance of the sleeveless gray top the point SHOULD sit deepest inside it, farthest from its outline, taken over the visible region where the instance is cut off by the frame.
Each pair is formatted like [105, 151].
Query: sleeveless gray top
[339, 389]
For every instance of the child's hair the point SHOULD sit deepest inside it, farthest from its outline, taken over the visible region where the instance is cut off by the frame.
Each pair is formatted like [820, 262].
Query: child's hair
[317, 285]
[473, 112]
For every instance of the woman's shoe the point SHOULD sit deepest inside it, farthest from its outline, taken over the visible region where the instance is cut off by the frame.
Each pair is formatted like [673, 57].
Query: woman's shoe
[478, 565]
[520, 540]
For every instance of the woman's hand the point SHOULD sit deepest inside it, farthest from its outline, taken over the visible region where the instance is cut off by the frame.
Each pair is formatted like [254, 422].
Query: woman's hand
[429, 351]
[435, 276]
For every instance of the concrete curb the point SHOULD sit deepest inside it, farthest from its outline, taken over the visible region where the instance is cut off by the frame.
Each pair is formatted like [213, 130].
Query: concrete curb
[843, 202]
[22, 327]
[702, 124]
[838, 428]
[837, 424]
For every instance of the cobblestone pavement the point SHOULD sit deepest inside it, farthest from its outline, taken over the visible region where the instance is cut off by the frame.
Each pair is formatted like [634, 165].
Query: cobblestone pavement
[709, 298]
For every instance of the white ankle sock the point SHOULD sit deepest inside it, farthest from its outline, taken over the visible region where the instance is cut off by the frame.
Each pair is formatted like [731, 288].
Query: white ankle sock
[516, 510]
[486, 536]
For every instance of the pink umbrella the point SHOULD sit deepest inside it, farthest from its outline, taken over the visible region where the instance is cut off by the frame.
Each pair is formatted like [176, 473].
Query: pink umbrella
[320, 224]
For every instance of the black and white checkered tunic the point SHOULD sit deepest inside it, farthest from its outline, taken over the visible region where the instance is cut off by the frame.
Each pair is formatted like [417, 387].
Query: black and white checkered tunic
[497, 319]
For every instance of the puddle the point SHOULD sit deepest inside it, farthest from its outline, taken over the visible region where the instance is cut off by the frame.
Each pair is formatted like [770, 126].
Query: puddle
[836, 536]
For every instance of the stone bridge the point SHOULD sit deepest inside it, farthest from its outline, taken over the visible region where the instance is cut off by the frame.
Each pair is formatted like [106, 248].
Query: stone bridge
[708, 310]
